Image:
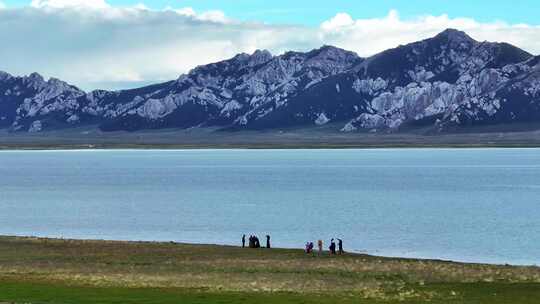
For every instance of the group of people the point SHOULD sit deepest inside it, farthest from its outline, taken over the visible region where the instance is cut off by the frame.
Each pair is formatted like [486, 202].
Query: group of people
[331, 248]
[254, 241]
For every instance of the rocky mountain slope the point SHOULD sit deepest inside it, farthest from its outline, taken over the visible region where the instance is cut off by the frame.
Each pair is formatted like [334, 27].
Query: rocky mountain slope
[444, 82]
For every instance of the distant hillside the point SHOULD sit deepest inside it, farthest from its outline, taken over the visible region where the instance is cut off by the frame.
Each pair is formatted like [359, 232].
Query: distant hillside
[443, 83]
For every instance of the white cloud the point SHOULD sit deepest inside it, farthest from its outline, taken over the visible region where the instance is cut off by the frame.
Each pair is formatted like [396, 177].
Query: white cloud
[124, 47]
[214, 16]
[341, 20]
[78, 4]
[93, 44]
[141, 6]
[186, 11]
[369, 36]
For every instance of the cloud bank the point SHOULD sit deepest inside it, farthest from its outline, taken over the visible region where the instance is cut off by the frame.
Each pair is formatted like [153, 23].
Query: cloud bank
[79, 4]
[94, 45]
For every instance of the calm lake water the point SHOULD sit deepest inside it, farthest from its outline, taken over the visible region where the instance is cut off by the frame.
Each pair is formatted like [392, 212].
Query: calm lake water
[474, 205]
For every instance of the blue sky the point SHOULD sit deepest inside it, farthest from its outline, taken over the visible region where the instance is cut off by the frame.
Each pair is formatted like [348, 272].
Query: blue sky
[115, 44]
[313, 12]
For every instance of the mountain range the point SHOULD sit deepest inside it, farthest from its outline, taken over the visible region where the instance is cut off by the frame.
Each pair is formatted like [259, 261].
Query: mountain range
[443, 83]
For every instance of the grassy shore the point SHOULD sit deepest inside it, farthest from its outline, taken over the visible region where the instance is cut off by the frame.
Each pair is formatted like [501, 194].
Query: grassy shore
[36, 270]
[307, 137]
[37, 147]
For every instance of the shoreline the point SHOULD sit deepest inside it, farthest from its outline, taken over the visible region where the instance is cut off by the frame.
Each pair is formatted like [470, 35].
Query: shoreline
[46, 270]
[228, 246]
[324, 137]
[97, 147]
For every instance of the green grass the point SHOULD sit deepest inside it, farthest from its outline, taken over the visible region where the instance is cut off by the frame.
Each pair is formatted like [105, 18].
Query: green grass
[477, 293]
[69, 271]
[40, 293]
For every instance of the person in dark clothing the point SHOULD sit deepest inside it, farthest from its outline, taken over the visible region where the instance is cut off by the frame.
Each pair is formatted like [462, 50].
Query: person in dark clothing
[267, 241]
[332, 247]
[257, 242]
[340, 246]
[244, 241]
[251, 241]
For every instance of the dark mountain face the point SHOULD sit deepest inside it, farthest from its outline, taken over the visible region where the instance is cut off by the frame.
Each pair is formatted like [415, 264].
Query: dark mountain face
[419, 82]
[446, 81]
[26, 101]
[512, 95]
[232, 91]
[421, 60]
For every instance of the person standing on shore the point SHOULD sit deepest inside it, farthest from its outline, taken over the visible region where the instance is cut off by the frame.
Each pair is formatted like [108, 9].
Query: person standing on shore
[244, 241]
[309, 247]
[320, 245]
[332, 247]
[340, 246]
[268, 241]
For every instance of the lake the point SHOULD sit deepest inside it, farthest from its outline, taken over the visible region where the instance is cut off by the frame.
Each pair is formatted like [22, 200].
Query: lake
[471, 205]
